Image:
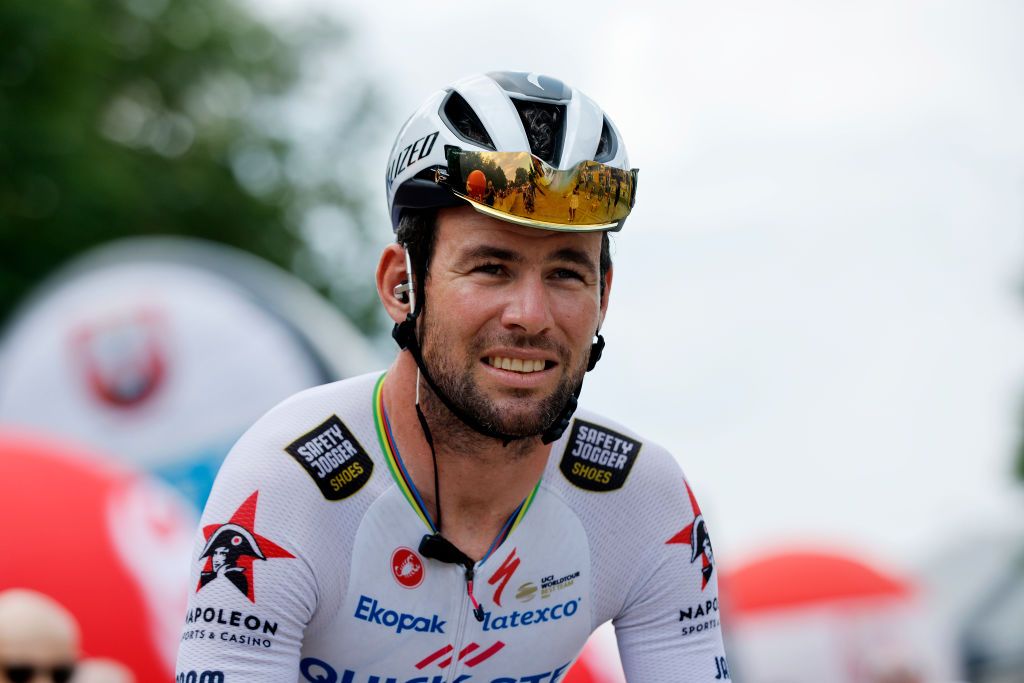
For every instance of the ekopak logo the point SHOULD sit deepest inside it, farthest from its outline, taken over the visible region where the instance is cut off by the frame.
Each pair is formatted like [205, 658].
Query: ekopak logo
[371, 611]
[406, 567]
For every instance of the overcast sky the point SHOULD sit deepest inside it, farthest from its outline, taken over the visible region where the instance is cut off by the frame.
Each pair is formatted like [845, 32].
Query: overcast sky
[817, 301]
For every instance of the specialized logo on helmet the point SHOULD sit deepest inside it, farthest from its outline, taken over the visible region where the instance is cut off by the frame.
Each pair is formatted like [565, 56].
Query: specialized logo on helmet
[407, 568]
[232, 548]
[412, 153]
[695, 534]
[598, 459]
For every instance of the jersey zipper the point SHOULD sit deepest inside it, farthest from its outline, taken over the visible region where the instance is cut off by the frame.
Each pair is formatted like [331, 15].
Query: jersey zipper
[459, 637]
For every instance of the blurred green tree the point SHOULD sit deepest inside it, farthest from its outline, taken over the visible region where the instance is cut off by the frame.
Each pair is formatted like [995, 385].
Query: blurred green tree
[135, 117]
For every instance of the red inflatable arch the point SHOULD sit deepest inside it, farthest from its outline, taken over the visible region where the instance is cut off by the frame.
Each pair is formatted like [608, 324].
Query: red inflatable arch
[110, 544]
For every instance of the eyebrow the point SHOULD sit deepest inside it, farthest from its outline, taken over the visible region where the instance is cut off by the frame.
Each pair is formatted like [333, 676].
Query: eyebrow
[485, 251]
[572, 255]
[565, 254]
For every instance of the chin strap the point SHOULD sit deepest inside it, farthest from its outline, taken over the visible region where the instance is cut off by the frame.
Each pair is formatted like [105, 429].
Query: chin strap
[404, 333]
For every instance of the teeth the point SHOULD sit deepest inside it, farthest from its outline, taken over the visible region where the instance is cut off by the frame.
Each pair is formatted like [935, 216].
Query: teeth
[516, 364]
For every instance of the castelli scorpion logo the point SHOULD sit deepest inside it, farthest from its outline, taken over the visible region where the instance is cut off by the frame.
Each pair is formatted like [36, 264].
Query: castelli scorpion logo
[407, 568]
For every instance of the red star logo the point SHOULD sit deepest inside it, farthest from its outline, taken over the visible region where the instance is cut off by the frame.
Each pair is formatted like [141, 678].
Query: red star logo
[695, 535]
[235, 545]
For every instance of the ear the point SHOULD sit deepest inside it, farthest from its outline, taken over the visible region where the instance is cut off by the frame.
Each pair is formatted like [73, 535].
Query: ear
[605, 296]
[390, 274]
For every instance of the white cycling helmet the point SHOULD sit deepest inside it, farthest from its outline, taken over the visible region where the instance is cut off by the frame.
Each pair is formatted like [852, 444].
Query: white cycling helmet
[471, 143]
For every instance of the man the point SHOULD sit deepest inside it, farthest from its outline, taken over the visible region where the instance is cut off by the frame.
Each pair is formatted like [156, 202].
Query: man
[456, 519]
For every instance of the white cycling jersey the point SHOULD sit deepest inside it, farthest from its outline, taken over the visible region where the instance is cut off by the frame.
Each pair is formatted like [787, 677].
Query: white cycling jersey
[306, 565]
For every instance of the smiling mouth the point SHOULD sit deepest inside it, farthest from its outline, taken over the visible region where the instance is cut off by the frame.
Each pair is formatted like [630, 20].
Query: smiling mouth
[516, 364]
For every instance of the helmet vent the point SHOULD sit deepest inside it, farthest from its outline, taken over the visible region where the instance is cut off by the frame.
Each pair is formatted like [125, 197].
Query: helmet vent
[606, 146]
[545, 128]
[461, 118]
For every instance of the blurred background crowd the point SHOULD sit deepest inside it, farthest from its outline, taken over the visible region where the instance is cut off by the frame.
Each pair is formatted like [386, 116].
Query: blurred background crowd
[817, 305]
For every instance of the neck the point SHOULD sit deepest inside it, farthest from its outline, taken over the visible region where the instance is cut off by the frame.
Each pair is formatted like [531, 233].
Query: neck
[482, 481]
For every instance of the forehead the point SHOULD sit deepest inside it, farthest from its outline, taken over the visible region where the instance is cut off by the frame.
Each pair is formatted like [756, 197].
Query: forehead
[462, 229]
[38, 636]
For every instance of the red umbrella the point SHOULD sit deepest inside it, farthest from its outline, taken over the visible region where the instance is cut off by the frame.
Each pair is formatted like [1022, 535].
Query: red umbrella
[802, 578]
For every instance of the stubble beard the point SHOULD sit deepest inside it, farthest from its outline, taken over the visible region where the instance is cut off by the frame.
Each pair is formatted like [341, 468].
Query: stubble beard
[456, 379]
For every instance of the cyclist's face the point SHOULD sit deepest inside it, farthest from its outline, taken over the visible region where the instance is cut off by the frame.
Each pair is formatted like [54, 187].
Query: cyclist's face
[510, 315]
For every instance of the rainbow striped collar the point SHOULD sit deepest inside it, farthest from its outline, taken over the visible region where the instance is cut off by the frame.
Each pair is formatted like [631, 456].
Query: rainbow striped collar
[408, 488]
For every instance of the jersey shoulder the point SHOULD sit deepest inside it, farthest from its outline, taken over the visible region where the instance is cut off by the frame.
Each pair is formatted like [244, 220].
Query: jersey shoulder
[634, 504]
[322, 439]
[597, 455]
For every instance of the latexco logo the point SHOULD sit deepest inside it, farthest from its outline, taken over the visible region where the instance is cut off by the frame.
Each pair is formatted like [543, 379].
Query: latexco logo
[516, 619]
[369, 610]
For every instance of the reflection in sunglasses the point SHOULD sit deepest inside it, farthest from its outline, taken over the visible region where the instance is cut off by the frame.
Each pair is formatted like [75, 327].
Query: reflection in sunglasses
[519, 185]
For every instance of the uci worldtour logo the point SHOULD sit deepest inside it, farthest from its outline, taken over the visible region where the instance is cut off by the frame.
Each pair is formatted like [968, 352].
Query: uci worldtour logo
[695, 535]
[548, 585]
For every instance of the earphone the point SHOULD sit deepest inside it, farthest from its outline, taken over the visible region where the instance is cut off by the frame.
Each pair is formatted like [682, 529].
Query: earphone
[406, 292]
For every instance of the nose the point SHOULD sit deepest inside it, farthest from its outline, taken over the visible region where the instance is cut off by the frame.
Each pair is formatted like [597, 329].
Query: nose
[528, 309]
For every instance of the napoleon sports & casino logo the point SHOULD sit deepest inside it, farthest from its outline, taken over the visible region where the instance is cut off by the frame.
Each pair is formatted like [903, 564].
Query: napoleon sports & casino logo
[695, 535]
[233, 547]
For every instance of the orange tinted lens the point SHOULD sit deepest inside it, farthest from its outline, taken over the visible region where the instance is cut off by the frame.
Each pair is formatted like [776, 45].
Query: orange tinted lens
[589, 196]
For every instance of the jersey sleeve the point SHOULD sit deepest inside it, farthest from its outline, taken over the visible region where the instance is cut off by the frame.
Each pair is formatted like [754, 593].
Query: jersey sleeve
[253, 590]
[668, 628]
